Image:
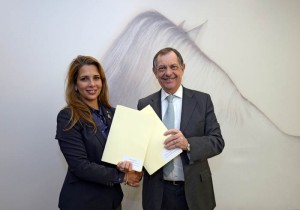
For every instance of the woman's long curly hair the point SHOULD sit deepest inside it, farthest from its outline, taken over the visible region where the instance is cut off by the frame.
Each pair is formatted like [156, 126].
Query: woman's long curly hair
[79, 110]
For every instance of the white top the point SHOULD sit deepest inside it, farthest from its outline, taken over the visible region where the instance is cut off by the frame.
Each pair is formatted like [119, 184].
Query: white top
[177, 173]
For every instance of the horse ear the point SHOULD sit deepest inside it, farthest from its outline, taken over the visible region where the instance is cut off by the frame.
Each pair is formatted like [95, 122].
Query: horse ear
[180, 25]
[193, 33]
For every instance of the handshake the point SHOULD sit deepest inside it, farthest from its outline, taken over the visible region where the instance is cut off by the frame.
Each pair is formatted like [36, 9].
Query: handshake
[131, 178]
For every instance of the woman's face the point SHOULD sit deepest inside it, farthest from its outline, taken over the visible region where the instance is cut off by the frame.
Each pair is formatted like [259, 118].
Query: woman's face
[89, 85]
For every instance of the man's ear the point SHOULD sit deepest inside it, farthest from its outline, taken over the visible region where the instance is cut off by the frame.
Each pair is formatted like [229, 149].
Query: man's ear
[183, 67]
[154, 71]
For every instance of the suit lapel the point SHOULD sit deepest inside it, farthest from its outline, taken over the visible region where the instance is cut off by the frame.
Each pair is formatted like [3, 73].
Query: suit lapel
[188, 106]
[108, 114]
[100, 138]
[156, 103]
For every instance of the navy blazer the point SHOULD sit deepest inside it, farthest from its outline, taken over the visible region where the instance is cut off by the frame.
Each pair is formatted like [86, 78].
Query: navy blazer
[201, 128]
[90, 184]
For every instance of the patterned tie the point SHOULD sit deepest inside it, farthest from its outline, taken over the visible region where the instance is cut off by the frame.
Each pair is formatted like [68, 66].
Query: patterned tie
[169, 121]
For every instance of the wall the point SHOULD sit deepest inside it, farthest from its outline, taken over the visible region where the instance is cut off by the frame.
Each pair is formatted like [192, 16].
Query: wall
[250, 46]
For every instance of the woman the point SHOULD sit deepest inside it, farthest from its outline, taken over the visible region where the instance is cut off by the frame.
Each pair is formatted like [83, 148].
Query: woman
[82, 129]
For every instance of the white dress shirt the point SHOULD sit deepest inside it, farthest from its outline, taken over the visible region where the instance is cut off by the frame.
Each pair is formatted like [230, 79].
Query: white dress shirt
[177, 173]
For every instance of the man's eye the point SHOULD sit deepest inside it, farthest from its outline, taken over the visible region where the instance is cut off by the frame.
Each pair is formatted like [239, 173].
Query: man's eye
[174, 67]
[163, 68]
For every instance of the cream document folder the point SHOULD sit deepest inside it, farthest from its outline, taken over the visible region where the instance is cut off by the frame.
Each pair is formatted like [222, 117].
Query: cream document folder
[137, 136]
[157, 156]
[128, 138]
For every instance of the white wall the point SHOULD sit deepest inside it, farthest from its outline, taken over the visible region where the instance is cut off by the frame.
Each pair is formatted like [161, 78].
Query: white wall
[255, 42]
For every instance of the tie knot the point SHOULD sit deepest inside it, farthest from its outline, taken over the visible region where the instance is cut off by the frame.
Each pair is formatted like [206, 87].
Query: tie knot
[170, 98]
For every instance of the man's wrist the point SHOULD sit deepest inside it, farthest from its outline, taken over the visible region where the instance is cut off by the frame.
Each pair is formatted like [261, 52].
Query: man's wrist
[188, 147]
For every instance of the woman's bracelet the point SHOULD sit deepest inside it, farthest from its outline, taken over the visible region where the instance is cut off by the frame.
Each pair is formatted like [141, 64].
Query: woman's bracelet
[125, 179]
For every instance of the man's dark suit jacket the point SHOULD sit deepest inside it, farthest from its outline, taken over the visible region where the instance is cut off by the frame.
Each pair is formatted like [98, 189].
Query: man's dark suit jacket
[201, 128]
[90, 184]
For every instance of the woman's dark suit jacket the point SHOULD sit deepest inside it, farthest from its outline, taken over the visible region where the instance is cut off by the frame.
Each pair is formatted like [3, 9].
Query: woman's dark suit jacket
[90, 184]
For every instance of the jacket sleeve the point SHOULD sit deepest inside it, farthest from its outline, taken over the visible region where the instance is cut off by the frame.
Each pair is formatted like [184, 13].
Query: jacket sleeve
[72, 145]
[211, 143]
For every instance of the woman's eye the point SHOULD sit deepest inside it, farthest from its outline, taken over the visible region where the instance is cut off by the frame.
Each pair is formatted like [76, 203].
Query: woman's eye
[82, 79]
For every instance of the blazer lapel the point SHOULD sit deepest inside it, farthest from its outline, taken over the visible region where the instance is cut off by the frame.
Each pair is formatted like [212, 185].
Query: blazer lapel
[156, 103]
[100, 137]
[188, 106]
[108, 114]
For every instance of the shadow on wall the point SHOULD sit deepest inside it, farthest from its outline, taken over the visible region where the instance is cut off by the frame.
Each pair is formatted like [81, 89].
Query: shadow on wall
[254, 145]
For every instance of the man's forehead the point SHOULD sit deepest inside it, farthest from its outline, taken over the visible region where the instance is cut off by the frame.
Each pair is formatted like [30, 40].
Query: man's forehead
[167, 59]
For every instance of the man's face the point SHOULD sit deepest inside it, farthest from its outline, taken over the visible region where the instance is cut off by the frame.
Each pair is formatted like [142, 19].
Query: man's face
[168, 72]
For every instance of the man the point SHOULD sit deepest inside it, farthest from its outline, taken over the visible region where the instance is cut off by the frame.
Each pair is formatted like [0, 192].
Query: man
[195, 130]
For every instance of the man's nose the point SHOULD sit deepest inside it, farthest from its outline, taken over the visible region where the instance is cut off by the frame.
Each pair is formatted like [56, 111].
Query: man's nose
[168, 70]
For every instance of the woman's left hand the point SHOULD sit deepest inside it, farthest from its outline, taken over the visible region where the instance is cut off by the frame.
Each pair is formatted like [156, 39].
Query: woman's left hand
[124, 166]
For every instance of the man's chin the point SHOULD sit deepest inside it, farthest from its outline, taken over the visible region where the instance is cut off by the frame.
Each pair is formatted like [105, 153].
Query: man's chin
[169, 90]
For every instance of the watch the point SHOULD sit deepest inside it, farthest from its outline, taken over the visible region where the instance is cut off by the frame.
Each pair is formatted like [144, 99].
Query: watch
[188, 147]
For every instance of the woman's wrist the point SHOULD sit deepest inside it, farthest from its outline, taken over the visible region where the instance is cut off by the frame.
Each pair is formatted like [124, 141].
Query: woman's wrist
[125, 181]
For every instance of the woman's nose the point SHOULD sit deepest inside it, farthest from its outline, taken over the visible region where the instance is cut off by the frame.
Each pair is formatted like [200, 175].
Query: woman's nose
[92, 82]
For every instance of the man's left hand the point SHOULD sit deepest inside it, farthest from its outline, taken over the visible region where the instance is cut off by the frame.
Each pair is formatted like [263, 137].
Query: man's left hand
[175, 140]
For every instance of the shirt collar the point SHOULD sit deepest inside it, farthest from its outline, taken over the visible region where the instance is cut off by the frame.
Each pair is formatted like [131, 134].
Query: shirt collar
[99, 111]
[178, 93]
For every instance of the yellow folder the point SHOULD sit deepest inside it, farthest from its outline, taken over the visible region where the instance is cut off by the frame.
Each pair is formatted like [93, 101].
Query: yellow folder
[137, 136]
